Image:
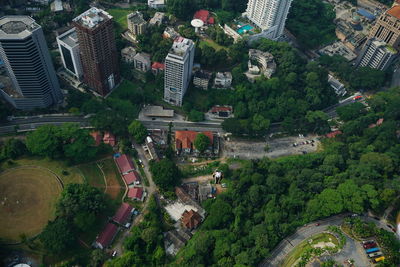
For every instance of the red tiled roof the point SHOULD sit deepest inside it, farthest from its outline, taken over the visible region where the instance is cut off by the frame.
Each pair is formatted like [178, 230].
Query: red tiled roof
[136, 193]
[124, 164]
[185, 139]
[123, 213]
[97, 136]
[394, 11]
[190, 219]
[380, 121]
[131, 177]
[333, 134]
[204, 15]
[158, 65]
[109, 138]
[218, 109]
[107, 235]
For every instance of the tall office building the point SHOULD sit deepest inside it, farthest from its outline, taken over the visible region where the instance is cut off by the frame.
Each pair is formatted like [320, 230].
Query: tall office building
[28, 63]
[269, 15]
[69, 50]
[387, 28]
[178, 70]
[376, 54]
[98, 50]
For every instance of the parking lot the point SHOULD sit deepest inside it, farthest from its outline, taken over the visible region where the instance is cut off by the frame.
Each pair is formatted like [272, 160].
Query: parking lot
[271, 148]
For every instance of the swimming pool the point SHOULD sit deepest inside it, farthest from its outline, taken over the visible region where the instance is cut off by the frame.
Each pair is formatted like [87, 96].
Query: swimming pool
[245, 28]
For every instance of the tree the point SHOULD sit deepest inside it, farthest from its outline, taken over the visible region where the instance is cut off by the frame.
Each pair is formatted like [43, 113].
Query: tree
[202, 142]
[44, 141]
[13, 148]
[57, 236]
[165, 174]
[351, 111]
[84, 221]
[138, 131]
[97, 258]
[182, 9]
[196, 116]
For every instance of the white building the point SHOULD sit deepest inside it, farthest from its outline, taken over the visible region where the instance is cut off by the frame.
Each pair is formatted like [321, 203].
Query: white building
[269, 15]
[178, 70]
[156, 3]
[223, 80]
[142, 62]
[376, 54]
[69, 50]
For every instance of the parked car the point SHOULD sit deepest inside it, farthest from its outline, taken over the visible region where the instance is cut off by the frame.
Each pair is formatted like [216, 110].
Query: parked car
[369, 245]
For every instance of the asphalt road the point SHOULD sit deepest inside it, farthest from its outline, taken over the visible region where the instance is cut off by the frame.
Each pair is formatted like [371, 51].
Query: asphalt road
[184, 125]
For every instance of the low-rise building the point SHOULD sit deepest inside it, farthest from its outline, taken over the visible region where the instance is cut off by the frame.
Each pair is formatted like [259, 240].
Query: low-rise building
[158, 19]
[142, 62]
[157, 68]
[124, 164]
[128, 53]
[131, 178]
[106, 237]
[109, 139]
[170, 33]
[152, 149]
[221, 112]
[223, 80]
[184, 141]
[136, 193]
[123, 214]
[205, 16]
[191, 220]
[156, 3]
[136, 23]
[336, 85]
[265, 61]
[201, 79]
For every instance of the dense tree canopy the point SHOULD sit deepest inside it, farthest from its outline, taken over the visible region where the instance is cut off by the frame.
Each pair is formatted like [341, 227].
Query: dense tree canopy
[138, 131]
[57, 236]
[202, 142]
[165, 174]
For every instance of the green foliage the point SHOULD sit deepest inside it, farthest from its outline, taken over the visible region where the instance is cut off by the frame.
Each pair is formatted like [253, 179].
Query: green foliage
[138, 131]
[202, 142]
[66, 141]
[195, 115]
[12, 149]
[351, 111]
[311, 21]
[165, 174]
[57, 236]
[153, 43]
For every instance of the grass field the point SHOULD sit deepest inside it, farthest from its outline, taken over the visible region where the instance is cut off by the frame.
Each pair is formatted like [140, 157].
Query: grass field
[211, 43]
[93, 175]
[115, 186]
[27, 201]
[296, 253]
[119, 15]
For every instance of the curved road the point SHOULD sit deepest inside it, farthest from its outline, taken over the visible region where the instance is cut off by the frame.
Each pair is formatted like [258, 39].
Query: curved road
[309, 230]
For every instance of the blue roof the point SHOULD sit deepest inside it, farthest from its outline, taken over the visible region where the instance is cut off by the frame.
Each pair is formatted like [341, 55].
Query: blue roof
[366, 14]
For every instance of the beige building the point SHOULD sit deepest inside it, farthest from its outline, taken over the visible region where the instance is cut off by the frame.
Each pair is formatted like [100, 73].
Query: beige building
[136, 23]
[387, 28]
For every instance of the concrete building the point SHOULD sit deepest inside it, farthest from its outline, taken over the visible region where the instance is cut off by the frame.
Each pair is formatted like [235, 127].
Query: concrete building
[128, 53]
[28, 64]
[265, 61]
[387, 28]
[201, 79]
[98, 50]
[136, 23]
[376, 54]
[156, 3]
[178, 70]
[223, 80]
[69, 50]
[158, 19]
[269, 15]
[142, 62]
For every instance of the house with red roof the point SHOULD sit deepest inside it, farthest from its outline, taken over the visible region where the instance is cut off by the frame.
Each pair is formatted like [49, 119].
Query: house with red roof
[333, 134]
[190, 219]
[97, 136]
[106, 237]
[131, 178]
[123, 214]
[205, 16]
[157, 68]
[124, 164]
[221, 112]
[136, 193]
[109, 139]
[184, 141]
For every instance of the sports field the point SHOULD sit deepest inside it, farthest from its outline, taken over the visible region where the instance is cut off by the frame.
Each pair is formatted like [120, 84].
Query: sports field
[27, 201]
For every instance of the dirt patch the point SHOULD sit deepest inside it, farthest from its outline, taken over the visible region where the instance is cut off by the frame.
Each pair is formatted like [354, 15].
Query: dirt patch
[27, 201]
[113, 178]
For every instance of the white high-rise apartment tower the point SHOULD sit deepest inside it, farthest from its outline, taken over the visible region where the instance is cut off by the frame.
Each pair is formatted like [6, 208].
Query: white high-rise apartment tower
[269, 15]
[376, 54]
[178, 70]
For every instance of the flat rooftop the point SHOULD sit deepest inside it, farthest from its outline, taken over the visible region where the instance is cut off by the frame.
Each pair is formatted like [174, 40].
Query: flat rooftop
[17, 27]
[69, 37]
[181, 46]
[158, 111]
[92, 17]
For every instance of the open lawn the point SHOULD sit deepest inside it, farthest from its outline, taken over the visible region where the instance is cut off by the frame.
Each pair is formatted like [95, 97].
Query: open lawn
[211, 43]
[27, 201]
[115, 186]
[298, 251]
[119, 15]
[93, 175]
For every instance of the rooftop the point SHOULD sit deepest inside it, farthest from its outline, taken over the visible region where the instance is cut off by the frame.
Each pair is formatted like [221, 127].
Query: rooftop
[124, 164]
[12, 27]
[69, 37]
[181, 46]
[202, 74]
[123, 213]
[158, 111]
[131, 177]
[394, 11]
[190, 219]
[142, 57]
[135, 192]
[136, 18]
[185, 139]
[92, 17]
[107, 235]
